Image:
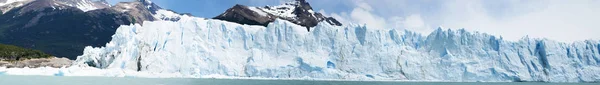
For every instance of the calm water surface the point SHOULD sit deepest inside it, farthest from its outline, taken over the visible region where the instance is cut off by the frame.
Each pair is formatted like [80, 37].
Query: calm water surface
[54, 80]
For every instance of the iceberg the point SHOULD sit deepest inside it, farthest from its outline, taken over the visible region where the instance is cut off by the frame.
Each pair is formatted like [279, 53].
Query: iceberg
[198, 47]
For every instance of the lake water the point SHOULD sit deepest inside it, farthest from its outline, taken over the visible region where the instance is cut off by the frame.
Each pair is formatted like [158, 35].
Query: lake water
[55, 80]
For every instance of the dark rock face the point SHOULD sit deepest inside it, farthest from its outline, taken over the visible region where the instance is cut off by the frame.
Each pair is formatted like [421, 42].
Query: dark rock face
[305, 18]
[241, 14]
[152, 7]
[302, 11]
[62, 30]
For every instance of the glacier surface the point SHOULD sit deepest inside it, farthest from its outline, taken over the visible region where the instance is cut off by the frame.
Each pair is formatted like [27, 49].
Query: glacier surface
[198, 47]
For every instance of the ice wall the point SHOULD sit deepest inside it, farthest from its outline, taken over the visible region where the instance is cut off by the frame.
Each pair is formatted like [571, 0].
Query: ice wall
[199, 47]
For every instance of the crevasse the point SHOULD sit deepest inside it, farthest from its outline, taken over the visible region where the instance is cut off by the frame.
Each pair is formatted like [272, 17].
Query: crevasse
[200, 47]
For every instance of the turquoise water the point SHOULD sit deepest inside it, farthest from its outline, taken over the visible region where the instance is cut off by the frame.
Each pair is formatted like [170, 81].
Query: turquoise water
[54, 80]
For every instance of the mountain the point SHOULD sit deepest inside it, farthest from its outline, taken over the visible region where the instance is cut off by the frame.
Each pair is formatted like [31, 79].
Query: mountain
[198, 47]
[64, 27]
[299, 12]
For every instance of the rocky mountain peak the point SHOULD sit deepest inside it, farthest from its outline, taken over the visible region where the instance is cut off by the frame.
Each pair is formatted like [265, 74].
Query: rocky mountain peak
[303, 4]
[150, 5]
[298, 11]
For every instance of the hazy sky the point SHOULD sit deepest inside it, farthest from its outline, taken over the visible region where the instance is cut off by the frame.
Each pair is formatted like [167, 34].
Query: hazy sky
[561, 20]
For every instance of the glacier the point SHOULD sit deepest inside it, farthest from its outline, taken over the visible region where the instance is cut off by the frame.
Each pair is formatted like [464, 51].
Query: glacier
[198, 48]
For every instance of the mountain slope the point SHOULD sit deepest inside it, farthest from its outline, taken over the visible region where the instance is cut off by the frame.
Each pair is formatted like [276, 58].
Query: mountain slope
[63, 27]
[197, 47]
[299, 12]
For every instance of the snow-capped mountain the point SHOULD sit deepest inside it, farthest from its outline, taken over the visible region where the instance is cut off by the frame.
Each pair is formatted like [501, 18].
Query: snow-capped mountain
[198, 47]
[64, 27]
[84, 5]
[298, 11]
[145, 10]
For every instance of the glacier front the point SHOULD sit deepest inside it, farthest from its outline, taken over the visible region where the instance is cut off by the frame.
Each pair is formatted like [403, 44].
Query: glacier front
[200, 47]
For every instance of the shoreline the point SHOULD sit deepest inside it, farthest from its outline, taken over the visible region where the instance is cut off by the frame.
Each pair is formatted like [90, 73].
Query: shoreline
[38, 62]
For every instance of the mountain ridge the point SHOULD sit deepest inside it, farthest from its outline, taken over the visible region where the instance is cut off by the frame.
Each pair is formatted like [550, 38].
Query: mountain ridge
[298, 11]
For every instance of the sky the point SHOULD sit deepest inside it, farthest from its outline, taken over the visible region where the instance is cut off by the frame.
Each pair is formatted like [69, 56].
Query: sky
[560, 20]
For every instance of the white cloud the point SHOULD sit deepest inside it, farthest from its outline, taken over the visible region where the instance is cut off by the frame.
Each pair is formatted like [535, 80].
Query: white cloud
[364, 16]
[572, 20]
[363, 6]
[361, 14]
[562, 20]
[414, 21]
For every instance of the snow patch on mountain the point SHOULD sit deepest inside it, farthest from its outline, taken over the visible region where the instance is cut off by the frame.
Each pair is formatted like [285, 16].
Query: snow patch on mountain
[284, 10]
[125, 7]
[85, 5]
[5, 2]
[7, 5]
[259, 11]
[167, 15]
